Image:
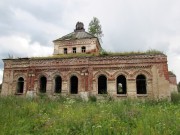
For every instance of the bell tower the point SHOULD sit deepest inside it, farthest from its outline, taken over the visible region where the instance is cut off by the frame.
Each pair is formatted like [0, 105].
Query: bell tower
[78, 41]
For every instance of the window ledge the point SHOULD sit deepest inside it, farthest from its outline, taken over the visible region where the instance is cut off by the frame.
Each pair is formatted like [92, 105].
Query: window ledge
[121, 95]
[18, 94]
[55, 94]
[142, 95]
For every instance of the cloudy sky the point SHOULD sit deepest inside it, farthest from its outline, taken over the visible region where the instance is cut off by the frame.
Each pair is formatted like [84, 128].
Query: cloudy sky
[27, 27]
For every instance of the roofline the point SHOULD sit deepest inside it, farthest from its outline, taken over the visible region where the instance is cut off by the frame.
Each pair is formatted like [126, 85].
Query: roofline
[41, 58]
[71, 39]
[25, 58]
[59, 39]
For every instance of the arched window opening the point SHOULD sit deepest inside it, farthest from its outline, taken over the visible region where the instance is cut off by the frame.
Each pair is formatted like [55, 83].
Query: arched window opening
[121, 85]
[20, 85]
[74, 85]
[74, 49]
[58, 84]
[102, 84]
[43, 82]
[83, 49]
[65, 50]
[141, 84]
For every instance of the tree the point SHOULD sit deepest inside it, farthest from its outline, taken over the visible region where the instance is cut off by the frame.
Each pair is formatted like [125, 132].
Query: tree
[178, 87]
[95, 28]
[0, 86]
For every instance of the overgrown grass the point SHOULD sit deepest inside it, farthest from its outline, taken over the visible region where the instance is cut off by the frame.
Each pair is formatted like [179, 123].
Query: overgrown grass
[72, 55]
[175, 97]
[102, 53]
[148, 52]
[74, 117]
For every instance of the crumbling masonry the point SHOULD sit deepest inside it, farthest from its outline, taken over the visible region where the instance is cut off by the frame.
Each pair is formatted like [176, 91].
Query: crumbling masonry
[77, 68]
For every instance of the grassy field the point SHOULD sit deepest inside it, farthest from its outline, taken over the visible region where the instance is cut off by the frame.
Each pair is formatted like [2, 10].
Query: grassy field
[63, 116]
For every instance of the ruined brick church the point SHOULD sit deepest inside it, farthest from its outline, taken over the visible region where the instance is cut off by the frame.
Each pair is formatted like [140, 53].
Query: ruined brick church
[78, 68]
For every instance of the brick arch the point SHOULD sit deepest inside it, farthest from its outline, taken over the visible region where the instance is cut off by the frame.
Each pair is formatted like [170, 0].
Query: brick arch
[142, 72]
[57, 86]
[96, 75]
[15, 82]
[69, 75]
[17, 76]
[118, 73]
[39, 80]
[55, 74]
[42, 74]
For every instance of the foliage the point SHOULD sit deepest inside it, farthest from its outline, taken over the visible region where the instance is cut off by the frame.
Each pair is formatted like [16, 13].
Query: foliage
[171, 73]
[70, 116]
[102, 53]
[72, 55]
[92, 98]
[0, 87]
[175, 97]
[10, 56]
[95, 28]
[148, 52]
[178, 87]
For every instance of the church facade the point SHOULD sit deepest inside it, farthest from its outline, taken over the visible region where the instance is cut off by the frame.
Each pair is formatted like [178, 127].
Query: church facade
[78, 68]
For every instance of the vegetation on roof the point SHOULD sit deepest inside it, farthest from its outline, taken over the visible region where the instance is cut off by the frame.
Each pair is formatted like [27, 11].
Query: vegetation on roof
[171, 73]
[101, 54]
[148, 52]
[66, 56]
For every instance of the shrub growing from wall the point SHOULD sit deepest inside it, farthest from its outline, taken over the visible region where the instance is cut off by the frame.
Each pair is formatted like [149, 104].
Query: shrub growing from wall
[175, 97]
[0, 87]
[178, 87]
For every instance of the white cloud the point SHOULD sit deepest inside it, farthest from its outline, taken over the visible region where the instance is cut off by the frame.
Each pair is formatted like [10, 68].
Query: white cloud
[174, 66]
[17, 46]
[22, 47]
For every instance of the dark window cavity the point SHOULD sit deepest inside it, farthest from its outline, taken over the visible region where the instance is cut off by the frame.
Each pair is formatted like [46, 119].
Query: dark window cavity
[20, 85]
[74, 49]
[58, 84]
[83, 49]
[43, 82]
[141, 84]
[65, 50]
[74, 85]
[102, 84]
[121, 85]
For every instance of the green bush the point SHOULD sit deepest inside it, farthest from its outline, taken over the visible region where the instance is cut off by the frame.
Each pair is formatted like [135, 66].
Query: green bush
[175, 97]
[92, 98]
[178, 87]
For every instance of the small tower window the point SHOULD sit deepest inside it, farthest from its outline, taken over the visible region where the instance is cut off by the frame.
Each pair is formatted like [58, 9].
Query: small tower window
[74, 49]
[83, 49]
[65, 50]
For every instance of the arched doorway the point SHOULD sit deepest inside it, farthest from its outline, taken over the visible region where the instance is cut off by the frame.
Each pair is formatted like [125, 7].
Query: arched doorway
[102, 84]
[43, 83]
[74, 85]
[58, 84]
[20, 85]
[141, 84]
[121, 85]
